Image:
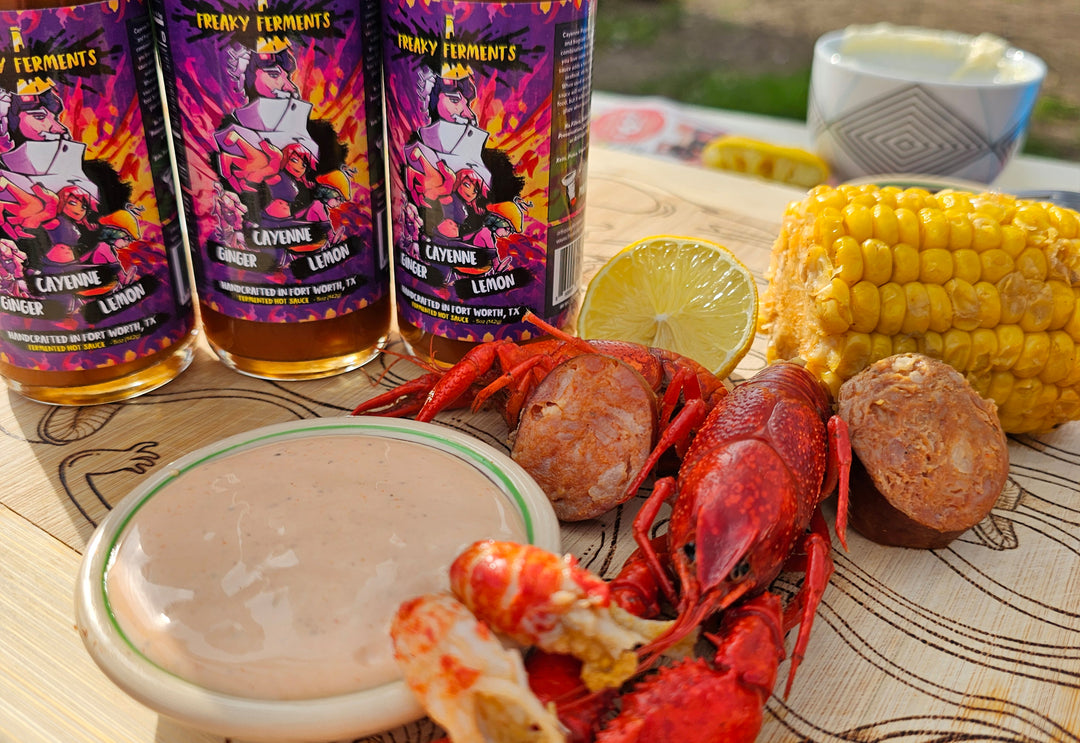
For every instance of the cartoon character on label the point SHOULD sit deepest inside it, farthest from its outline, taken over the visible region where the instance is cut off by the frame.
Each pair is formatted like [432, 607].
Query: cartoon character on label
[51, 198]
[453, 177]
[272, 155]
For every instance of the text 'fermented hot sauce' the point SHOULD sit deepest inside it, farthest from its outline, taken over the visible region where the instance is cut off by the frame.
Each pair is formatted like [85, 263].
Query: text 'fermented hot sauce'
[95, 300]
[276, 109]
[488, 129]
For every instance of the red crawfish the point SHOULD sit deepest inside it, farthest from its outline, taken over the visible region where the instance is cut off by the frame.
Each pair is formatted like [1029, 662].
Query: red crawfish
[611, 399]
[746, 502]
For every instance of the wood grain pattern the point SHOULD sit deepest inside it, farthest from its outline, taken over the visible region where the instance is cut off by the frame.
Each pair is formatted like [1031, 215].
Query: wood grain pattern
[976, 642]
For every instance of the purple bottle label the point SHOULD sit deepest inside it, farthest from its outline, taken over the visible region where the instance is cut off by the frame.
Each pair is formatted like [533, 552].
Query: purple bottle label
[276, 111]
[92, 267]
[487, 114]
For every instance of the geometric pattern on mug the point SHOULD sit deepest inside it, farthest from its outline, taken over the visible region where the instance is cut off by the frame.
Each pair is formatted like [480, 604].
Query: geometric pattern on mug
[913, 131]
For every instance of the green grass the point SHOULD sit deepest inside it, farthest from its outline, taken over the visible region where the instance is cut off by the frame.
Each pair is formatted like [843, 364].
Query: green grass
[784, 96]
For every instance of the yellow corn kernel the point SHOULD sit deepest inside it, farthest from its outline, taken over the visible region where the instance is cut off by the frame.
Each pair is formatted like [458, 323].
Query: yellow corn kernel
[935, 266]
[1013, 292]
[1042, 411]
[989, 304]
[905, 344]
[917, 314]
[1032, 217]
[1022, 398]
[956, 351]
[1039, 312]
[834, 306]
[911, 199]
[859, 221]
[848, 259]
[831, 380]
[984, 343]
[880, 347]
[965, 304]
[886, 226]
[931, 344]
[877, 261]
[1013, 239]
[1073, 377]
[933, 229]
[1064, 304]
[865, 307]
[980, 382]
[941, 308]
[1059, 362]
[986, 233]
[905, 263]
[966, 265]
[961, 231]
[1010, 344]
[854, 355]
[829, 226]
[887, 195]
[994, 263]
[1072, 325]
[1033, 356]
[1065, 221]
[907, 221]
[893, 308]
[1032, 264]
[1000, 387]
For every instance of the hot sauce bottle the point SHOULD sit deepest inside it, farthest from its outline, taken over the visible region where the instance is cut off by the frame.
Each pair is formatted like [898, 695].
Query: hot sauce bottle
[488, 129]
[277, 122]
[95, 300]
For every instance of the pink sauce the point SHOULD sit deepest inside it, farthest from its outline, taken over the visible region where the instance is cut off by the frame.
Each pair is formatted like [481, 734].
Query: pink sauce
[273, 572]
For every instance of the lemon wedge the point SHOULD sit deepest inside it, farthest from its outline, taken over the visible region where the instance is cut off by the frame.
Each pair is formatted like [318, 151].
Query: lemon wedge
[791, 165]
[683, 294]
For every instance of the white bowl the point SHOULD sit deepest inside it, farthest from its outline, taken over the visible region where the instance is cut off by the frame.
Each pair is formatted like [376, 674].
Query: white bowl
[102, 619]
[888, 99]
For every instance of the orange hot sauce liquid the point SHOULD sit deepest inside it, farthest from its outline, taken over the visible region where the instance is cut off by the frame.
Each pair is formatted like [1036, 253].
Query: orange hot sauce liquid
[305, 350]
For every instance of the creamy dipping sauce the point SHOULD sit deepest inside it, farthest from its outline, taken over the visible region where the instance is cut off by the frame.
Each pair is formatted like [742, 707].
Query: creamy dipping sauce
[934, 56]
[273, 572]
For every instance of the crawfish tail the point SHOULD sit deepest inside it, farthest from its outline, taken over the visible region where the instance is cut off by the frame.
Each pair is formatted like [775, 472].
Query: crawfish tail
[538, 598]
[464, 677]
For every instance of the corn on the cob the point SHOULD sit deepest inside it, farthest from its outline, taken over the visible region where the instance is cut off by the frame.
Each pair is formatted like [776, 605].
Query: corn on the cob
[986, 282]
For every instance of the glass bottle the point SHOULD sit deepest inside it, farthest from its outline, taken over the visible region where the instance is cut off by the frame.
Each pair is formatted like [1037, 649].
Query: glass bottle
[95, 298]
[487, 107]
[276, 111]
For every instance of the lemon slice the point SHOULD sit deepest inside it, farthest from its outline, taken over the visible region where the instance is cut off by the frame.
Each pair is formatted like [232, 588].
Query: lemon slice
[791, 165]
[682, 294]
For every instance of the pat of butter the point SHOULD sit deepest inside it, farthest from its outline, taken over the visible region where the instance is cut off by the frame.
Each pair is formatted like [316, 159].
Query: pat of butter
[943, 55]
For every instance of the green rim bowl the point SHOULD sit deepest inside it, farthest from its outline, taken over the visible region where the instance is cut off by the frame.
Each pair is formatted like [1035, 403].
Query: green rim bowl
[349, 715]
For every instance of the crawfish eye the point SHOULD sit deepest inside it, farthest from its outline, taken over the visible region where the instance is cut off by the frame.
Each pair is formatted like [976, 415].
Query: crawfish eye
[690, 551]
[740, 571]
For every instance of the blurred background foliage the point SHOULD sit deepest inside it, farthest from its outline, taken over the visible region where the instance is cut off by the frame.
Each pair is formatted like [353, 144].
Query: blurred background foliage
[754, 55]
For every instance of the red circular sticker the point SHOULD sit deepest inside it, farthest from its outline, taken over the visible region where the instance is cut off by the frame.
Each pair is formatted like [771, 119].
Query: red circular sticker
[626, 126]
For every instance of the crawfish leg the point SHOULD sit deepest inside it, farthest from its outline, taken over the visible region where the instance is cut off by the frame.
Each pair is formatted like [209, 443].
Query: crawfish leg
[635, 588]
[815, 559]
[838, 472]
[458, 380]
[403, 400]
[676, 434]
[663, 490]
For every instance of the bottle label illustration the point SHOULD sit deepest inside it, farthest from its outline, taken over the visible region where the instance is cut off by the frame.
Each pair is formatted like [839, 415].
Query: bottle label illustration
[487, 118]
[92, 267]
[276, 111]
